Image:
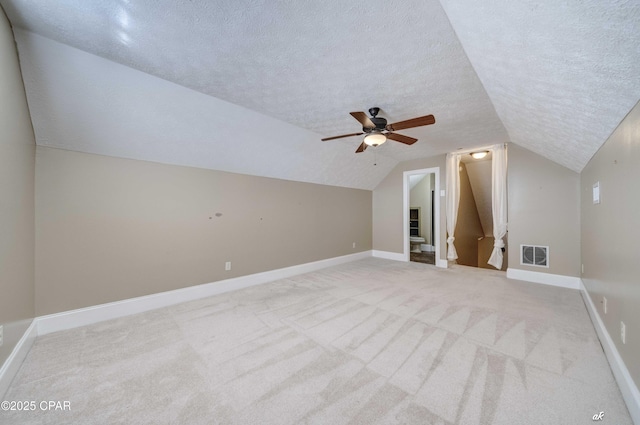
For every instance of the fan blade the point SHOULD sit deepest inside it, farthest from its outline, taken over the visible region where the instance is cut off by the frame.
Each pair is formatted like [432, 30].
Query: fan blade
[339, 137]
[362, 147]
[400, 138]
[415, 122]
[363, 119]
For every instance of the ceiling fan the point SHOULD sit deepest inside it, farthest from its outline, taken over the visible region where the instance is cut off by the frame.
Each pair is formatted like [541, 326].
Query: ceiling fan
[378, 131]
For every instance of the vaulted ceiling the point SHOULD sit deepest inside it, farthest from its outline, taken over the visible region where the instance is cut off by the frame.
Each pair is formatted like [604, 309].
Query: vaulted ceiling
[251, 86]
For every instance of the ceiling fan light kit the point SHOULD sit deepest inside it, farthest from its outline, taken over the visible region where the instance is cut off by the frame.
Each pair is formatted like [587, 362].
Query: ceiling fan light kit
[378, 131]
[375, 139]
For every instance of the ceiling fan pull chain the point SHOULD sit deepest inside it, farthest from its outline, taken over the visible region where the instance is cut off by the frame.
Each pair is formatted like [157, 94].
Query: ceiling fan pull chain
[375, 156]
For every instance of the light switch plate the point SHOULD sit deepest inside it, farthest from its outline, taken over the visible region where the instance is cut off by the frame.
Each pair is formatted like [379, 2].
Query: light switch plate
[596, 193]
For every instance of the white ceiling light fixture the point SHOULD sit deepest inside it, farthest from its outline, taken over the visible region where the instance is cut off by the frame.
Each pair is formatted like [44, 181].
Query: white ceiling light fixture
[375, 139]
[479, 155]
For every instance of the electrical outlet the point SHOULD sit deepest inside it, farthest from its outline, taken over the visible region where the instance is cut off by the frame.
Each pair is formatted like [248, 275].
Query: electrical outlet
[604, 304]
[354, 244]
[623, 333]
[1, 335]
[227, 265]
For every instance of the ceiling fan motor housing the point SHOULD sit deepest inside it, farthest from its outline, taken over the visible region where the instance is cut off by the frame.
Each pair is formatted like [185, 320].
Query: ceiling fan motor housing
[379, 122]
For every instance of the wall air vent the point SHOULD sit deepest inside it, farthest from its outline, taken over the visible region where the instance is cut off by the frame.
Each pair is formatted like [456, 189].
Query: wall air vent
[533, 255]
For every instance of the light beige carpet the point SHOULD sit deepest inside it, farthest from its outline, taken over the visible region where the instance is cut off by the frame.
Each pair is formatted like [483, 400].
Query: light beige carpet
[370, 342]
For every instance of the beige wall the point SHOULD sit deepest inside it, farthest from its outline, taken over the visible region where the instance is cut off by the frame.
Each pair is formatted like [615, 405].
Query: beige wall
[388, 232]
[17, 145]
[468, 227]
[543, 209]
[108, 229]
[611, 236]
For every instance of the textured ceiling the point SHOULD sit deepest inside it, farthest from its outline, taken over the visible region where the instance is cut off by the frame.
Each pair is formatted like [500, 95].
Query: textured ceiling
[561, 74]
[82, 102]
[281, 75]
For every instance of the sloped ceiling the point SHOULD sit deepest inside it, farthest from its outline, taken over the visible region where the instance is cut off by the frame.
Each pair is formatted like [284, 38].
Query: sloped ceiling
[561, 74]
[251, 86]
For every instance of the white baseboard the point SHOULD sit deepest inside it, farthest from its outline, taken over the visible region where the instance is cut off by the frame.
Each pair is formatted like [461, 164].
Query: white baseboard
[442, 263]
[628, 388]
[94, 314]
[389, 255]
[14, 361]
[544, 278]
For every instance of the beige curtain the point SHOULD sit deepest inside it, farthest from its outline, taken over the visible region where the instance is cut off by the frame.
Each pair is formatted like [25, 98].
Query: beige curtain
[498, 202]
[452, 201]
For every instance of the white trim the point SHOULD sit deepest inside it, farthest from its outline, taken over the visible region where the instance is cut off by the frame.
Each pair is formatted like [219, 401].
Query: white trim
[442, 263]
[405, 211]
[396, 256]
[628, 388]
[570, 282]
[98, 313]
[14, 361]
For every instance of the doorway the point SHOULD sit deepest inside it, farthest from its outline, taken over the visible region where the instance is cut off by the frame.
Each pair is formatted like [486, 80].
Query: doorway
[481, 191]
[422, 216]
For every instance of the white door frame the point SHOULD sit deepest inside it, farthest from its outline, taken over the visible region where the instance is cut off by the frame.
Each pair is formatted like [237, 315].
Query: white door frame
[405, 208]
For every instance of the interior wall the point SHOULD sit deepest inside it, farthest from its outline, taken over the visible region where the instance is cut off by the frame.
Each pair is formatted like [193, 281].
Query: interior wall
[109, 229]
[543, 209]
[17, 147]
[468, 227]
[610, 236]
[420, 196]
[388, 220]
